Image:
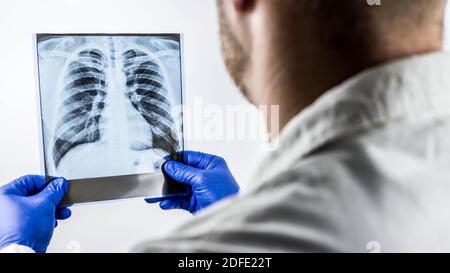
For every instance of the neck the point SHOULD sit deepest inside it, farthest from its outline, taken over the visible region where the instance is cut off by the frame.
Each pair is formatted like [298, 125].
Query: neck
[294, 85]
[297, 80]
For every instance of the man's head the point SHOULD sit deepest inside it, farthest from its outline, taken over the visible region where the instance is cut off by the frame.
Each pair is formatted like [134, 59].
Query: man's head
[288, 52]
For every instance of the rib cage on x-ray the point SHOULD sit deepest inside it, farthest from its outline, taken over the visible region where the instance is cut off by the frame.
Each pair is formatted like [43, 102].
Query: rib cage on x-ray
[86, 88]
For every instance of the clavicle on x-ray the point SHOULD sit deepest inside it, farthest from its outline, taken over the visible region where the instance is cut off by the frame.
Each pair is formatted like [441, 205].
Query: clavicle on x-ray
[110, 106]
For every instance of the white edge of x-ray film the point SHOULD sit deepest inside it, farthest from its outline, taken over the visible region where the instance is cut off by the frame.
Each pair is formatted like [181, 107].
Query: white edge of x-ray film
[183, 93]
[38, 105]
[109, 189]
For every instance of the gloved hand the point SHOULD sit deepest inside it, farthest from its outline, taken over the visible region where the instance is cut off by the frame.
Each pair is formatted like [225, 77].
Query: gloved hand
[28, 211]
[208, 176]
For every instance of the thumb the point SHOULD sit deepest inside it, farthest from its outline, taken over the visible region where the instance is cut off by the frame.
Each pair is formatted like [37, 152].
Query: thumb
[54, 191]
[181, 173]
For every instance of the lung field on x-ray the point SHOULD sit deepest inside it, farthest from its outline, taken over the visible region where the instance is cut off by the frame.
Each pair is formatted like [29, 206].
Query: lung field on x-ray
[85, 89]
[102, 70]
[148, 94]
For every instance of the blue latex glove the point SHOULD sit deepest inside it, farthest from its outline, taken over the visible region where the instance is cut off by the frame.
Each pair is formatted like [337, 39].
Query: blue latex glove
[28, 211]
[209, 178]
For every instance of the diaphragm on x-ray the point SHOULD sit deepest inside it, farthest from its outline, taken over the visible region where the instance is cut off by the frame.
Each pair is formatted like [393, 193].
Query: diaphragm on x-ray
[110, 106]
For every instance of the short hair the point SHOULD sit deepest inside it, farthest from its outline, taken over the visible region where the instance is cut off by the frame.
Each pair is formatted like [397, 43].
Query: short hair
[347, 24]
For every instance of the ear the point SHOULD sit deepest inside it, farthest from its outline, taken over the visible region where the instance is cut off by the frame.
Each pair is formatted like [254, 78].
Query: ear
[243, 6]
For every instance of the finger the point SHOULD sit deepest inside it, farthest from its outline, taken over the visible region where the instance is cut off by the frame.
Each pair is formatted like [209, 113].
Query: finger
[62, 213]
[181, 173]
[154, 200]
[172, 204]
[196, 159]
[25, 185]
[54, 191]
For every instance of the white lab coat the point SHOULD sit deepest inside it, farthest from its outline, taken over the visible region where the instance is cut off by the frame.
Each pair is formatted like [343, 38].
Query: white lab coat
[365, 168]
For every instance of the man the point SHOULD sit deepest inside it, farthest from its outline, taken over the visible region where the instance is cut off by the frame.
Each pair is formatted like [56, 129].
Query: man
[363, 156]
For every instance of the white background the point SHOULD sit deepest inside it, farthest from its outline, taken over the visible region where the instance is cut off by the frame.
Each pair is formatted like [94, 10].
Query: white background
[111, 227]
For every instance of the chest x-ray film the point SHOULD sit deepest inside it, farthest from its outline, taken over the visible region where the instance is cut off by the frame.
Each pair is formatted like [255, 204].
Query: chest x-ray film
[110, 112]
